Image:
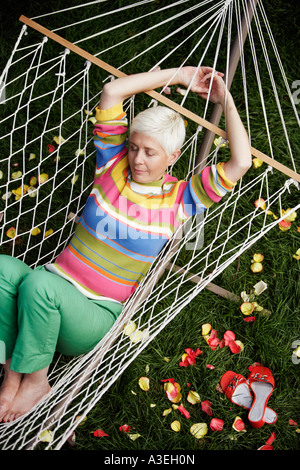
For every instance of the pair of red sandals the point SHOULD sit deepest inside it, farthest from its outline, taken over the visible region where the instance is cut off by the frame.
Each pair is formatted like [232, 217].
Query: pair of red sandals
[238, 390]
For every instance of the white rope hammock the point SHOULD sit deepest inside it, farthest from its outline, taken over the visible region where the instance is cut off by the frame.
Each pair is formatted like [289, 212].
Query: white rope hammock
[55, 95]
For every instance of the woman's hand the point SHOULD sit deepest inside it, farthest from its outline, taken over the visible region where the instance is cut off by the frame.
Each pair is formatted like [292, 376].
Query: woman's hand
[214, 89]
[200, 78]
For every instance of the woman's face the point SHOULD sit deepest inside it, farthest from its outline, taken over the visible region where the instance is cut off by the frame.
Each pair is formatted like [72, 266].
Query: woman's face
[148, 161]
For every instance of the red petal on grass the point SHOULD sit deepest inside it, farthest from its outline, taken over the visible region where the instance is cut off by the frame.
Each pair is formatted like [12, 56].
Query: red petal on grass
[51, 148]
[184, 411]
[206, 407]
[292, 422]
[100, 433]
[271, 439]
[125, 428]
[266, 448]
[216, 424]
[189, 358]
[213, 341]
[228, 336]
[238, 424]
[249, 319]
[234, 348]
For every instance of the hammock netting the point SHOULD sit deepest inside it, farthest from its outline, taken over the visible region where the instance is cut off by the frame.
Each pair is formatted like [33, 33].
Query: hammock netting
[48, 100]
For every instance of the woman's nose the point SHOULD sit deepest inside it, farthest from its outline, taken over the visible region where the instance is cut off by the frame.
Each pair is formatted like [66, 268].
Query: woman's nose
[139, 157]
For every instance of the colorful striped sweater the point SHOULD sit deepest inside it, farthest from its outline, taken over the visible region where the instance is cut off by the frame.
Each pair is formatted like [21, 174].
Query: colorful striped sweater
[125, 224]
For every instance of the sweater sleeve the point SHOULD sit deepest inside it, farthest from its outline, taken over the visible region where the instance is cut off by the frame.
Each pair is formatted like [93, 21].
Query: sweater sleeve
[203, 190]
[110, 134]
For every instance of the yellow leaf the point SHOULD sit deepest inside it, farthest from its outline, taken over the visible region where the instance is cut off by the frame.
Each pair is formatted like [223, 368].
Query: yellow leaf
[74, 179]
[176, 426]
[33, 181]
[144, 383]
[11, 232]
[48, 232]
[35, 231]
[206, 329]
[167, 411]
[260, 203]
[58, 139]
[256, 267]
[136, 336]
[1, 174]
[46, 436]
[291, 217]
[297, 255]
[32, 156]
[257, 258]
[16, 175]
[129, 328]
[133, 437]
[257, 162]
[247, 308]
[193, 397]
[43, 177]
[199, 430]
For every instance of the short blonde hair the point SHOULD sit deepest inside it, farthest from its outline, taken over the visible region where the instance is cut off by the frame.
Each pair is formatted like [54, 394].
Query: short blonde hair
[163, 124]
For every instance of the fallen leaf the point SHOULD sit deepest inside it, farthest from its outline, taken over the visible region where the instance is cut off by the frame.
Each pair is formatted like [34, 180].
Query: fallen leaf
[257, 162]
[256, 267]
[193, 397]
[176, 426]
[129, 328]
[144, 383]
[43, 177]
[297, 255]
[46, 436]
[11, 232]
[247, 308]
[206, 329]
[199, 430]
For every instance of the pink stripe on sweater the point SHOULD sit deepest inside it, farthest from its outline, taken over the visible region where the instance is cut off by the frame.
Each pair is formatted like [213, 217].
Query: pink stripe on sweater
[207, 188]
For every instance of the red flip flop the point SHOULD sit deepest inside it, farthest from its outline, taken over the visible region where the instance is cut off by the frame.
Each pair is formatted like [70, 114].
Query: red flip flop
[261, 382]
[236, 389]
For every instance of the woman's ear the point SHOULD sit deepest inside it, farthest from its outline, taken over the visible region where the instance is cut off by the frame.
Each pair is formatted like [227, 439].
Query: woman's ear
[174, 157]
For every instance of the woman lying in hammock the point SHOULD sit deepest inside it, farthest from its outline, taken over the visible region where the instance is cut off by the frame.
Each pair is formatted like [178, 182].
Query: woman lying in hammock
[132, 211]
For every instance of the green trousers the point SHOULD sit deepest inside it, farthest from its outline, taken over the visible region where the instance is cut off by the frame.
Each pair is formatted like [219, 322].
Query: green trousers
[40, 312]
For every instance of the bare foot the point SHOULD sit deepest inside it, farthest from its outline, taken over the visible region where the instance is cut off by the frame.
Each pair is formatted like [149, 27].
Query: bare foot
[8, 389]
[29, 393]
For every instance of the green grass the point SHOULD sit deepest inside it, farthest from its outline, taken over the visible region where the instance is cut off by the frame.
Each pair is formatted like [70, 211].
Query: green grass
[268, 340]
